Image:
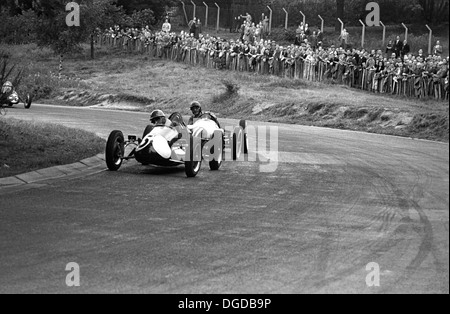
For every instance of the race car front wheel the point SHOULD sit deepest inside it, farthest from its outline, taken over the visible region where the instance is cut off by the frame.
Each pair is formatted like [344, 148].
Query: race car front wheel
[28, 101]
[194, 162]
[115, 150]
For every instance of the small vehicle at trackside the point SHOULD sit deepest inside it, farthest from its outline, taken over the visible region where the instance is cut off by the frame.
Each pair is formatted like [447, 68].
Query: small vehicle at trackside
[179, 145]
[9, 96]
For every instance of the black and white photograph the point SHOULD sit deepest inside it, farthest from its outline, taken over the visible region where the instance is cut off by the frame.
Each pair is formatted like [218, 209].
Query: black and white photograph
[220, 154]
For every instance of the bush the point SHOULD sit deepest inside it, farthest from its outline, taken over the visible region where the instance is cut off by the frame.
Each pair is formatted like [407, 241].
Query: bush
[231, 87]
[231, 91]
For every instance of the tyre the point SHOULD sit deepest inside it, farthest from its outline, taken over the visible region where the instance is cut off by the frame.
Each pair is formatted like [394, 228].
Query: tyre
[193, 166]
[243, 125]
[238, 141]
[115, 150]
[216, 164]
[147, 130]
[28, 101]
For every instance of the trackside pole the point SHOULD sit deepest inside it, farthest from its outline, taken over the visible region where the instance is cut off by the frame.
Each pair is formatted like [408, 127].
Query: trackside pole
[322, 23]
[206, 17]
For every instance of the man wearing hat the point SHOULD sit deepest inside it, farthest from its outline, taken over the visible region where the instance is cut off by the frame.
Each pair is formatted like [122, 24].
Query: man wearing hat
[196, 112]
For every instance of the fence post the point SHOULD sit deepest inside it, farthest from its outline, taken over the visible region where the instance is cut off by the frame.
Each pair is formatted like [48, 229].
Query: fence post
[342, 25]
[218, 17]
[195, 9]
[322, 21]
[363, 33]
[270, 20]
[206, 17]
[287, 18]
[304, 18]
[384, 33]
[185, 13]
[430, 40]
[406, 31]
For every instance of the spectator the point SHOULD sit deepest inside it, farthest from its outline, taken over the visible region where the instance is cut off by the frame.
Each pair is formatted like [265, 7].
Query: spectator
[390, 48]
[420, 55]
[237, 24]
[313, 41]
[298, 34]
[166, 28]
[344, 38]
[307, 30]
[198, 29]
[258, 33]
[319, 36]
[398, 47]
[438, 49]
[266, 26]
[242, 32]
[192, 26]
[405, 49]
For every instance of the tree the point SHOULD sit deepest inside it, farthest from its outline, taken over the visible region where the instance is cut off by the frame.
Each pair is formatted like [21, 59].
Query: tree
[434, 11]
[158, 7]
[52, 30]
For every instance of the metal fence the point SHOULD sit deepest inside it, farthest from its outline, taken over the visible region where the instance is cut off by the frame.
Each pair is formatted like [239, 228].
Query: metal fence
[207, 12]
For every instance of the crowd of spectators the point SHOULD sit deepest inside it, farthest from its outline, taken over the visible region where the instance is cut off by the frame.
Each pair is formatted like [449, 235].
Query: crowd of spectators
[392, 70]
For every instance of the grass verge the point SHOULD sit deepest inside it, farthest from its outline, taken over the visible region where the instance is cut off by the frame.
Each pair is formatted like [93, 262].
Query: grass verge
[29, 146]
[120, 80]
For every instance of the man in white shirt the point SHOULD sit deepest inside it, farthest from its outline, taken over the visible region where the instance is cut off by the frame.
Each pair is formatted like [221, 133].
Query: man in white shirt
[167, 27]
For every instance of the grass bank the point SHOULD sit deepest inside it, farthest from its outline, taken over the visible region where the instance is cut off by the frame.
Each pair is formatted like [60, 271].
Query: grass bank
[29, 146]
[118, 80]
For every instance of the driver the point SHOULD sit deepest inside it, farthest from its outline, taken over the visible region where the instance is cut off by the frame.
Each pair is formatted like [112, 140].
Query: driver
[8, 93]
[7, 88]
[157, 117]
[196, 112]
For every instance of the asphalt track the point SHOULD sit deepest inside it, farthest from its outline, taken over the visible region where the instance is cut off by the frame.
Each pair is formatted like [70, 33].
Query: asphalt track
[335, 202]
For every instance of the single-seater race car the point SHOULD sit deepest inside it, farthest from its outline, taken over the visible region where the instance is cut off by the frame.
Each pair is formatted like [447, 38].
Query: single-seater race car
[178, 144]
[9, 97]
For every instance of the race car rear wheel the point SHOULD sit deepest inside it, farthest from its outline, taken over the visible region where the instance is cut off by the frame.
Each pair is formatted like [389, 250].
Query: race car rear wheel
[115, 150]
[238, 138]
[28, 101]
[194, 162]
[243, 125]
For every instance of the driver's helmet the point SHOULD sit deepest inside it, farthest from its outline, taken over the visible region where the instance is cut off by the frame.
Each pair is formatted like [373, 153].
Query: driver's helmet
[195, 104]
[7, 87]
[155, 115]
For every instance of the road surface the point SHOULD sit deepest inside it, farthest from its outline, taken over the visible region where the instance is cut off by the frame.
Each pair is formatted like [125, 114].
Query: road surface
[334, 202]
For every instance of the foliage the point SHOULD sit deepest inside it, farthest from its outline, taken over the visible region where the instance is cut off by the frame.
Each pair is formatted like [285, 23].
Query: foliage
[9, 72]
[158, 7]
[20, 29]
[143, 18]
